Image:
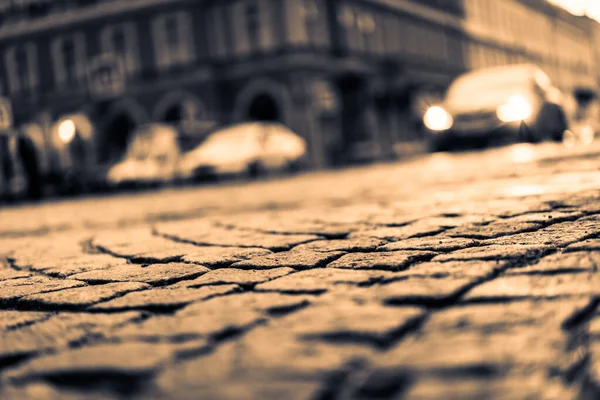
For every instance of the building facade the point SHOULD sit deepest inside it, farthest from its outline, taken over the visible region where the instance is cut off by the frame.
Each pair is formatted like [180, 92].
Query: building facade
[532, 31]
[350, 76]
[339, 72]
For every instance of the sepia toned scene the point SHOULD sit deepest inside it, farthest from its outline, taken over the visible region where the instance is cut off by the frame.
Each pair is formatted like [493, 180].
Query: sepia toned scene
[299, 199]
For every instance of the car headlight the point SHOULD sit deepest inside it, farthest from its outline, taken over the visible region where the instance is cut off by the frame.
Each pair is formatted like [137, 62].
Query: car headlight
[66, 130]
[517, 108]
[438, 119]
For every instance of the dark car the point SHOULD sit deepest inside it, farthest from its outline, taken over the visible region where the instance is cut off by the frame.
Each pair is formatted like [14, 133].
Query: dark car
[515, 103]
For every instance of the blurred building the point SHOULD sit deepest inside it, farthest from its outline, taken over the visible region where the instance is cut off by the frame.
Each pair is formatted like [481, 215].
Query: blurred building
[532, 31]
[343, 73]
[351, 76]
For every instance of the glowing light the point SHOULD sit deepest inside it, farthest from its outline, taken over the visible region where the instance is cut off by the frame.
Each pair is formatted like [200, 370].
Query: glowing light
[438, 119]
[516, 109]
[66, 130]
[522, 153]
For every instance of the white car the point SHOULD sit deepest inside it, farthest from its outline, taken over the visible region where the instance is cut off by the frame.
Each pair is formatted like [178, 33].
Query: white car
[518, 102]
[151, 158]
[244, 149]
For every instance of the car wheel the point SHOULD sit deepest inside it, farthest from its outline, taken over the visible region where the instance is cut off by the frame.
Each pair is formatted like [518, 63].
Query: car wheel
[560, 126]
[30, 169]
[255, 170]
[528, 134]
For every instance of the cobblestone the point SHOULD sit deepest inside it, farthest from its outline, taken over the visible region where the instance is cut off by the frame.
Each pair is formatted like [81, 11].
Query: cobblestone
[537, 286]
[169, 297]
[390, 261]
[291, 259]
[431, 244]
[320, 280]
[154, 274]
[446, 277]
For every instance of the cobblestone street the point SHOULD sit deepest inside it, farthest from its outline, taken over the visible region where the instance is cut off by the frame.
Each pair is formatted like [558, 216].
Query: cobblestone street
[464, 276]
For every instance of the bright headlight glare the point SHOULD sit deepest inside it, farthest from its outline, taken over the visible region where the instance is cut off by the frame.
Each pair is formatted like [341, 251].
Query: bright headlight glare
[517, 108]
[438, 119]
[66, 130]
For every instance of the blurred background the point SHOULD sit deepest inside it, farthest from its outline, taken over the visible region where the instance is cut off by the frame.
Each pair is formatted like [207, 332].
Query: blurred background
[99, 95]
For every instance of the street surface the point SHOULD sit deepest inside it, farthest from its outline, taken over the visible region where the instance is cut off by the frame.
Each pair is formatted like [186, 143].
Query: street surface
[461, 276]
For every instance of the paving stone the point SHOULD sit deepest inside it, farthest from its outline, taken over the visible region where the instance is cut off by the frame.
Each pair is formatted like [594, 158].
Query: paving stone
[12, 289]
[454, 269]
[201, 233]
[212, 319]
[415, 229]
[285, 223]
[471, 353]
[430, 244]
[391, 261]
[493, 230]
[254, 359]
[168, 297]
[215, 316]
[83, 296]
[511, 387]
[562, 263]
[126, 359]
[268, 303]
[41, 391]
[510, 316]
[594, 368]
[320, 280]
[7, 273]
[15, 319]
[154, 274]
[242, 277]
[561, 234]
[141, 245]
[585, 245]
[594, 327]
[217, 256]
[495, 252]
[59, 331]
[349, 322]
[416, 290]
[63, 266]
[536, 286]
[299, 260]
[345, 245]
[546, 218]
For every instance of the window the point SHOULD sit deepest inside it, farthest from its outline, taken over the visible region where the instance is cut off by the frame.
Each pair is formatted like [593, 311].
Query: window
[173, 40]
[312, 17]
[21, 66]
[253, 25]
[122, 40]
[68, 54]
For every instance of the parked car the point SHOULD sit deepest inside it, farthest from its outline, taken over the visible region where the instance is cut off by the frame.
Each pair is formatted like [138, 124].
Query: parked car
[583, 111]
[517, 102]
[249, 149]
[151, 158]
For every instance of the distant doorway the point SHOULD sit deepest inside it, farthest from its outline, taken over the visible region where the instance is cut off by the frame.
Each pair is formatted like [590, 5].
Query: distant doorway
[174, 114]
[116, 138]
[263, 108]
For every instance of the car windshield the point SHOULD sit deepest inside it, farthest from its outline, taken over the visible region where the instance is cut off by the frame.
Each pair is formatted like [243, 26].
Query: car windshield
[150, 144]
[231, 137]
[496, 80]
